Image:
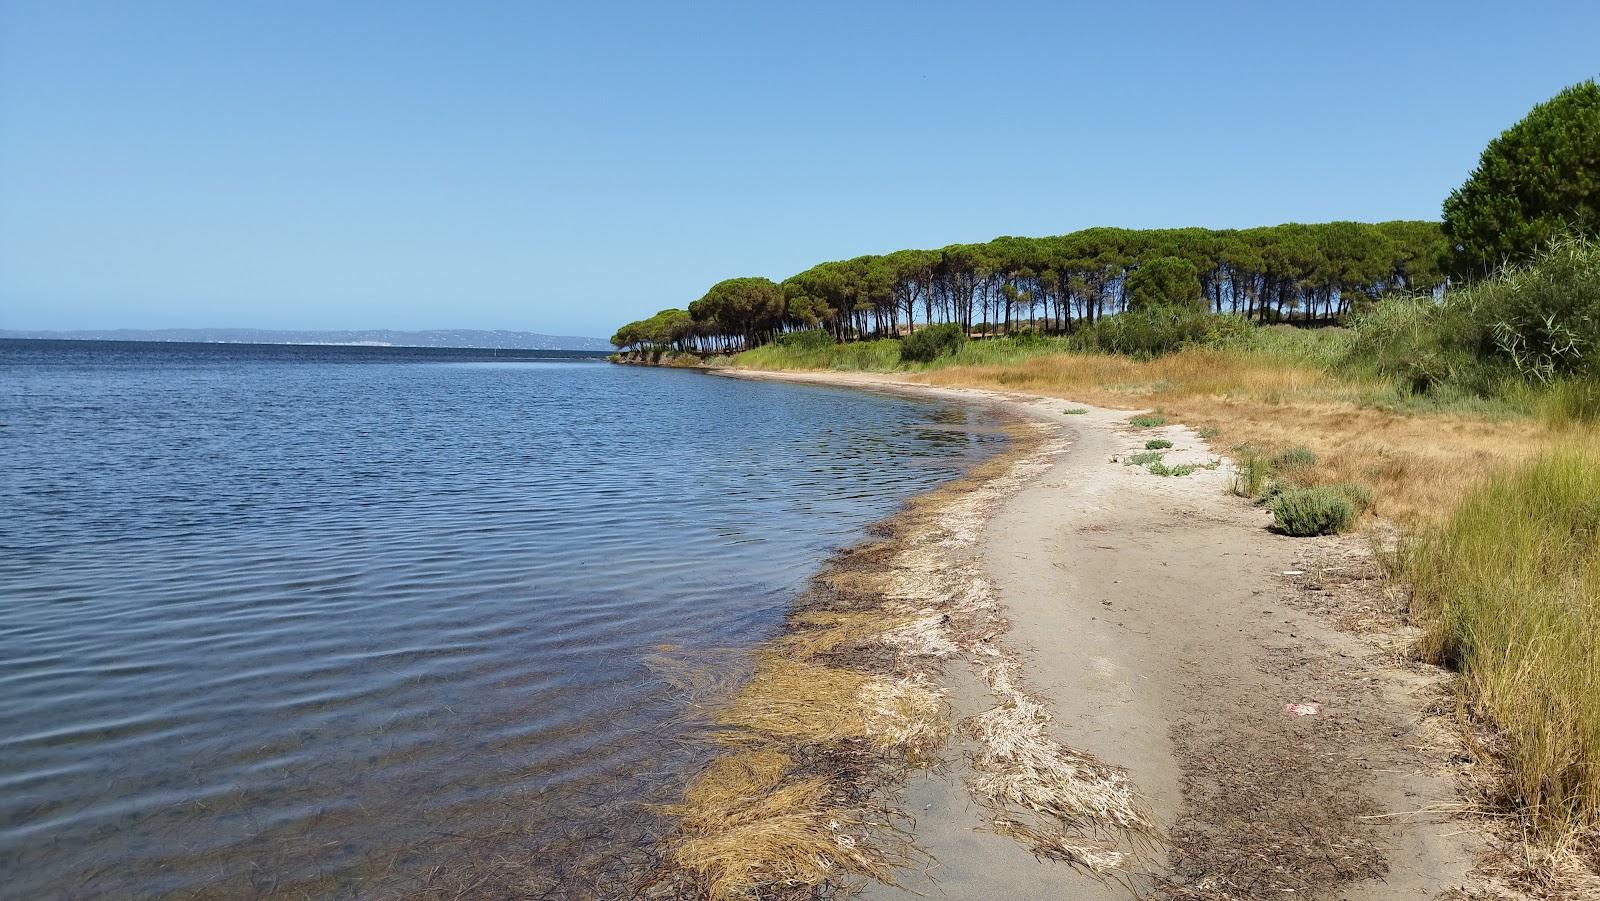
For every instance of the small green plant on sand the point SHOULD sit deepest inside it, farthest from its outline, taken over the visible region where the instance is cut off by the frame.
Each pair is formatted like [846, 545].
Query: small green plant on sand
[1075, 411]
[1157, 444]
[1148, 420]
[1208, 433]
[1182, 469]
[1303, 512]
[1154, 462]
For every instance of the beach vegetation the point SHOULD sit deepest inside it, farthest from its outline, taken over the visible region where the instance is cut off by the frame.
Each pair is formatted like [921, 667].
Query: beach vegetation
[1042, 291]
[1075, 411]
[1148, 420]
[810, 339]
[1304, 512]
[932, 342]
[1157, 444]
[1161, 468]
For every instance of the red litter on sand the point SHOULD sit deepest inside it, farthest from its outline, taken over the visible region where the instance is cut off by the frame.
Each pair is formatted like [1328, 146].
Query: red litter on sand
[1304, 708]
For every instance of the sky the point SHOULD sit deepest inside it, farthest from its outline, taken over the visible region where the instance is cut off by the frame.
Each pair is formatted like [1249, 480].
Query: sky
[564, 168]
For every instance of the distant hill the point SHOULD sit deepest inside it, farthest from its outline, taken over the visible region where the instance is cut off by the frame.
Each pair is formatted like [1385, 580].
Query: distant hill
[370, 337]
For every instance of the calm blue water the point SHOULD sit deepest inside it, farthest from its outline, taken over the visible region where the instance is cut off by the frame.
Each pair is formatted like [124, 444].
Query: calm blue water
[355, 623]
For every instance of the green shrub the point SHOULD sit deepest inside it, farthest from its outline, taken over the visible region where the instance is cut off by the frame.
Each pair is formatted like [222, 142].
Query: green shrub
[1028, 339]
[1153, 331]
[1157, 444]
[1148, 420]
[932, 342]
[809, 339]
[1311, 511]
[1532, 324]
[1075, 411]
[1143, 459]
[1543, 320]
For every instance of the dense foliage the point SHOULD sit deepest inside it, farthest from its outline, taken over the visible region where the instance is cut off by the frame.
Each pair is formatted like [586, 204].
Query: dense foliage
[1151, 331]
[1533, 323]
[932, 342]
[1058, 284]
[1165, 282]
[1539, 179]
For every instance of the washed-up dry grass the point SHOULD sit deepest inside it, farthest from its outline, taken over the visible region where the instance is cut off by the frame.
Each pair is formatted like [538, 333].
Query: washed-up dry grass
[756, 824]
[1018, 764]
[1419, 463]
[841, 701]
[748, 827]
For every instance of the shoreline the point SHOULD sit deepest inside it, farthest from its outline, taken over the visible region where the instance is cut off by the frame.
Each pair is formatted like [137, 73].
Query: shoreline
[1156, 669]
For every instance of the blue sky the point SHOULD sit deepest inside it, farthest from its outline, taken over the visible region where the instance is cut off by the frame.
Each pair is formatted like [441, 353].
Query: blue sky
[564, 167]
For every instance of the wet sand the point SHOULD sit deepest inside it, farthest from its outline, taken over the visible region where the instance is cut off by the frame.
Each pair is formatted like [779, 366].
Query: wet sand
[1165, 629]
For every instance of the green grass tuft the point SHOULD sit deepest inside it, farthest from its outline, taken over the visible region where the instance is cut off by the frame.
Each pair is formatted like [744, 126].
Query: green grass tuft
[1509, 591]
[1148, 420]
[1571, 402]
[1157, 444]
[1144, 459]
[1075, 411]
[1250, 478]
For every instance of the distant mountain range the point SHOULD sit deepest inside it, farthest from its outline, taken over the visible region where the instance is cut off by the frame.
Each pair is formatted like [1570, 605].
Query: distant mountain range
[370, 337]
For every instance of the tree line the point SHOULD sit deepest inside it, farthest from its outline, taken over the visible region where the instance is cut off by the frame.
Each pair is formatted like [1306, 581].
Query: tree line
[1052, 285]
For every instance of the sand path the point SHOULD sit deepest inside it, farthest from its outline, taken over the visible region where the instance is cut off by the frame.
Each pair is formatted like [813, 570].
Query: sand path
[1166, 629]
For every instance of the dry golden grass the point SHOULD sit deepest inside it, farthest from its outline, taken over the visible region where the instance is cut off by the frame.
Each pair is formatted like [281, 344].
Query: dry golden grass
[1418, 465]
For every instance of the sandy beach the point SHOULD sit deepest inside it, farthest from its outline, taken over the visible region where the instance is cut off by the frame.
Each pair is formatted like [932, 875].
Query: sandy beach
[1247, 686]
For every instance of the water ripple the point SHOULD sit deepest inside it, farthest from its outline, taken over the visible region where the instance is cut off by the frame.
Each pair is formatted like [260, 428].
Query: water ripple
[288, 617]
